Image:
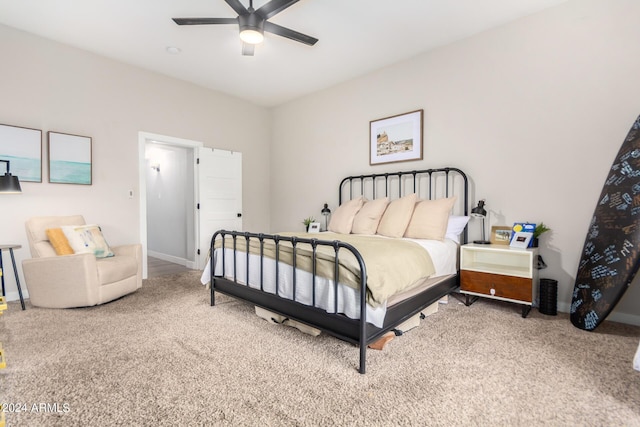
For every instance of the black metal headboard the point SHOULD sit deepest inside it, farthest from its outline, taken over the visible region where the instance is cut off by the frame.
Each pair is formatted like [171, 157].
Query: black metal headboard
[427, 184]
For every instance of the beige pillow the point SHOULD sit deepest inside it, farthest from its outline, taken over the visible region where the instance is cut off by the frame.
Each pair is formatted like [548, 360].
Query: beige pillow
[397, 216]
[429, 220]
[342, 219]
[87, 239]
[369, 216]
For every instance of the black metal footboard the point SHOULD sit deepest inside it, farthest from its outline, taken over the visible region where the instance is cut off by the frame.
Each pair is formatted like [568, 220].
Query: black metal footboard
[336, 324]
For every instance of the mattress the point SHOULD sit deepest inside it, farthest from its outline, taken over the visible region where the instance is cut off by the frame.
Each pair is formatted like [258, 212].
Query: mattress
[443, 254]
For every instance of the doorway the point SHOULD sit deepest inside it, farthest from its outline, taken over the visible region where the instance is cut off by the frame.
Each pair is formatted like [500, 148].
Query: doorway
[168, 188]
[187, 192]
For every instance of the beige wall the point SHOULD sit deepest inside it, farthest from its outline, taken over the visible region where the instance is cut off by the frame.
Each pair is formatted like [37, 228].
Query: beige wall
[49, 86]
[534, 112]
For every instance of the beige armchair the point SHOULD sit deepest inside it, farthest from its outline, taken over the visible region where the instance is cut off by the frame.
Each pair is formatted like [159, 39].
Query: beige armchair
[76, 280]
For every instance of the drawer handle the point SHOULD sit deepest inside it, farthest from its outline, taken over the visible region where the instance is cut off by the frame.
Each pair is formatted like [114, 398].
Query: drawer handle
[492, 291]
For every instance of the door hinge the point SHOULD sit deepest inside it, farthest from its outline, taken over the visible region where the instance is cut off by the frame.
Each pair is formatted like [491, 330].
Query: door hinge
[198, 161]
[198, 206]
[198, 251]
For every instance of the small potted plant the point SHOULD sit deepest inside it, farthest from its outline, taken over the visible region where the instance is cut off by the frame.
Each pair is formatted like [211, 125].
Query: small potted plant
[308, 221]
[539, 230]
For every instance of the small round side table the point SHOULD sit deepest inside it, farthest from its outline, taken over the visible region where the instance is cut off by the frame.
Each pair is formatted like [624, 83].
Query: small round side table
[15, 270]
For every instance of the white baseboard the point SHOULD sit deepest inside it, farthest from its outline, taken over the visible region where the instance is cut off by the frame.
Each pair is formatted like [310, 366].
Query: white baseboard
[15, 296]
[174, 259]
[629, 319]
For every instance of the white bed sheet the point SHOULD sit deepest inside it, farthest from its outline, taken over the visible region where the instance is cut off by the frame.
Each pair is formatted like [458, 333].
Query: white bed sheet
[443, 254]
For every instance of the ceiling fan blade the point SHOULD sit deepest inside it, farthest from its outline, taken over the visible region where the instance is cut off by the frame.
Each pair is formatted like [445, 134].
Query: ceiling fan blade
[273, 7]
[237, 6]
[290, 34]
[204, 21]
[248, 48]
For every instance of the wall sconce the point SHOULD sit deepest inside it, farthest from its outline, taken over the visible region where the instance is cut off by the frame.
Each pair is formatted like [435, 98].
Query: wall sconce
[480, 212]
[155, 166]
[325, 213]
[9, 184]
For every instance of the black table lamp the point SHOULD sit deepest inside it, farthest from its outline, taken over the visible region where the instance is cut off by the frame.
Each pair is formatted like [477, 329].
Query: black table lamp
[480, 212]
[325, 213]
[9, 184]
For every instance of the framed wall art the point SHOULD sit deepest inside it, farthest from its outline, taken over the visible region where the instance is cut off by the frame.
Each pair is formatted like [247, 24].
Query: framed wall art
[69, 159]
[22, 147]
[396, 138]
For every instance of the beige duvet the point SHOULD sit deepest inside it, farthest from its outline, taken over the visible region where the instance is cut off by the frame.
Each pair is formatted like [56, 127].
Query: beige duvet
[393, 265]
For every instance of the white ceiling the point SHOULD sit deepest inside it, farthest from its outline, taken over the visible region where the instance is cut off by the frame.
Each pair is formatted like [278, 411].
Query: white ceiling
[356, 37]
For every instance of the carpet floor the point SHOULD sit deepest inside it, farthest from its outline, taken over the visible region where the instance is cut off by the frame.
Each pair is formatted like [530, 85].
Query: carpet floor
[163, 357]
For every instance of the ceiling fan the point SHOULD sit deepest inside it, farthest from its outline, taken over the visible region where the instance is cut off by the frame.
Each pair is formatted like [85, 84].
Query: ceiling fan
[253, 23]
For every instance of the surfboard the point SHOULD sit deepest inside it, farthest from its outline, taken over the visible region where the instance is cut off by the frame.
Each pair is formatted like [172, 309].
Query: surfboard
[611, 253]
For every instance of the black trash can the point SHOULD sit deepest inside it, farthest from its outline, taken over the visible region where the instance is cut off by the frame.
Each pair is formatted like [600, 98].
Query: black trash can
[548, 297]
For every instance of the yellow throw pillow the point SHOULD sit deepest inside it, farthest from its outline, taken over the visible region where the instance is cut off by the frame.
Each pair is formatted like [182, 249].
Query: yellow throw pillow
[87, 239]
[59, 241]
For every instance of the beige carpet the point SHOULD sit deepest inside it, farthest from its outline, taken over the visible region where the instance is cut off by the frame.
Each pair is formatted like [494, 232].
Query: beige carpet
[163, 356]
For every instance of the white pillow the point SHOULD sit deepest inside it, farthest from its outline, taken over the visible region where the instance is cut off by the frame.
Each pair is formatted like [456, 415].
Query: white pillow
[455, 227]
[342, 219]
[87, 239]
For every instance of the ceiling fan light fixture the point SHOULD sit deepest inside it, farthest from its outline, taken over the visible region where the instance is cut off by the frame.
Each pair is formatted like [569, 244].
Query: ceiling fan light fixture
[251, 36]
[251, 28]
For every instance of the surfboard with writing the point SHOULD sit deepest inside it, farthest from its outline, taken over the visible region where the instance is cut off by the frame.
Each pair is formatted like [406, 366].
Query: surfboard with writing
[611, 254]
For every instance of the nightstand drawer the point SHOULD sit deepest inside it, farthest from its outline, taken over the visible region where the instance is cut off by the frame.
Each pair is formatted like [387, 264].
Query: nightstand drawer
[514, 288]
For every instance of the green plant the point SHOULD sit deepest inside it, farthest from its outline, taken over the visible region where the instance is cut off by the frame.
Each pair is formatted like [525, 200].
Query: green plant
[540, 228]
[308, 221]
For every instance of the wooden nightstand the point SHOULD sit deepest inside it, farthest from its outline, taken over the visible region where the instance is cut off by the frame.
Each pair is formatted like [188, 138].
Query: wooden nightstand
[499, 272]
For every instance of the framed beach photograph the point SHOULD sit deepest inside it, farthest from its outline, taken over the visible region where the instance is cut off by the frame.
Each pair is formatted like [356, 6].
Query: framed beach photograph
[22, 147]
[500, 235]
[69, 159]
[396, 138]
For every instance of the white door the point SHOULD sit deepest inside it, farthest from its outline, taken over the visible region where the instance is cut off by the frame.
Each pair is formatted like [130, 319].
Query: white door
[220, 195]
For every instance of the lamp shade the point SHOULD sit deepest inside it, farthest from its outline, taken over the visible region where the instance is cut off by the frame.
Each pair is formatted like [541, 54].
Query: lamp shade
[326, 212]
[9, 184]
[479, 211]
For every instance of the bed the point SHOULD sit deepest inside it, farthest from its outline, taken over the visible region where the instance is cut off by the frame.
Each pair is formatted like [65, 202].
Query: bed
[349, 282]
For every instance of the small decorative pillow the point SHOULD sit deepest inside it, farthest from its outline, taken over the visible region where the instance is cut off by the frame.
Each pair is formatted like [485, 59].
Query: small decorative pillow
[455, 227]
[397, 216]
[429, 220]
[87, 239]
[369, 216]
[59, 241]
[342, 219]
